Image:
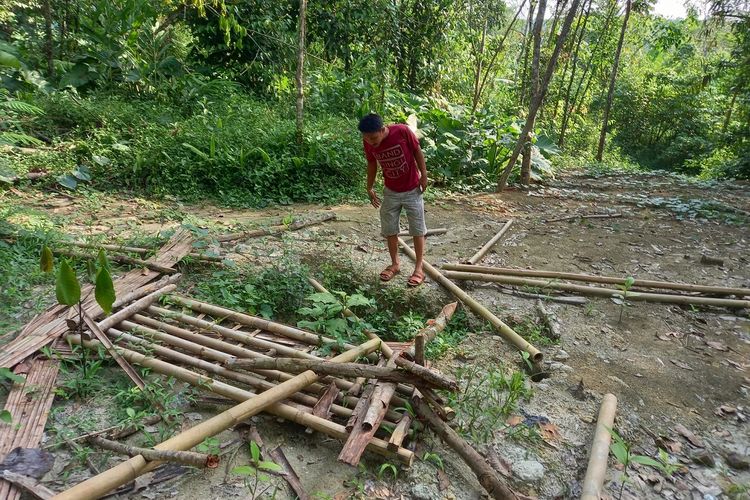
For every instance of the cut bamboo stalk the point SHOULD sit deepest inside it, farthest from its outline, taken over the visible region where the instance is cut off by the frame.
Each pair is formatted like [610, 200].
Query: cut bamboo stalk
[326, 216]
[562, 299]
[430, 232]
[124, 259]
[601, 292]
[486, 248]
[400, 432]
[597, 467]
[446, 412]
[584, 216]
[350, 370]
[266, 401]
[181, 457]
[639, 283]
[419, 349]
[146, 289]
[504, 330]
[136, 307]
[487, 477]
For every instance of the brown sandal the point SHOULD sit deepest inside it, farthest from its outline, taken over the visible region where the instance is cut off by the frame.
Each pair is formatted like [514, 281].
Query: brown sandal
[389, 272]
[415, 280]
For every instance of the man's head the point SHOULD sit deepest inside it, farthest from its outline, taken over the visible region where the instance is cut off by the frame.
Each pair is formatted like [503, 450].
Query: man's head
[373, 131]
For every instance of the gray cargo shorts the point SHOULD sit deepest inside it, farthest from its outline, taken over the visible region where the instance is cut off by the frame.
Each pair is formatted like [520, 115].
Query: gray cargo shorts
[390, 211]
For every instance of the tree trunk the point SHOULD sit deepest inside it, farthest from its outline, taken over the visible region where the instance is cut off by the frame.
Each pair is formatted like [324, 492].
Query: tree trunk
[534, 88]
[537, 103]
[479, 56]
[612, 80]
[569, 60]
[728, 117]
[574, 64]
[525, 55]
[47, 13]
[300, 75]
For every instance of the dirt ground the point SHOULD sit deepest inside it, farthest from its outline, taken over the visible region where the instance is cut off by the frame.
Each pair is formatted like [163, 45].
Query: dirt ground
[681, 374]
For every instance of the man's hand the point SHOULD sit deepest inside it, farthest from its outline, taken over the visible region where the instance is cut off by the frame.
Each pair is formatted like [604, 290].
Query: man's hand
[374, 200]
[423, 183]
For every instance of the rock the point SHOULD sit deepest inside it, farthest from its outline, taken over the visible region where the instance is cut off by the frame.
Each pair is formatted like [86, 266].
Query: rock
[557, 366]
[528, 470]
[561, 356]
[424, 492]
[704, 458]
[542, 386]
[737, 461]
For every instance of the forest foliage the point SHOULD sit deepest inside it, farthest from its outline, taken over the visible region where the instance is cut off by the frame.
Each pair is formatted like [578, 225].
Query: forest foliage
[196, 98]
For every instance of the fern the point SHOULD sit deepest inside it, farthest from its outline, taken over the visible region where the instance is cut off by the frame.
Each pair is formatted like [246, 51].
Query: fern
[14, 139]
[21, 107]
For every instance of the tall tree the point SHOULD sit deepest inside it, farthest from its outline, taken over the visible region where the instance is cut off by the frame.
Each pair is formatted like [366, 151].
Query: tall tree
[300, 73]
[612, 81]
[537, 102]
[534, 88]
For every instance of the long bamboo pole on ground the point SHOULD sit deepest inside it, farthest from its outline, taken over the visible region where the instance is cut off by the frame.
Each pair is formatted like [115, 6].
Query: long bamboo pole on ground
[491, 243]
[181, 457]
[429, 232]
[687, 287]
[488, 478]
[504, 330]
[146, 289]
[600, 292]
[124, 259]
[326, 216]
[135, 307]
[349, 370]
[127, 249]
[268, 400]
[99, 334]
[597, 467]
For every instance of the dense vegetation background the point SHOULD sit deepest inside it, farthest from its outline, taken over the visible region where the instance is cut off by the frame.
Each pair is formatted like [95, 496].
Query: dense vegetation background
[197, 98]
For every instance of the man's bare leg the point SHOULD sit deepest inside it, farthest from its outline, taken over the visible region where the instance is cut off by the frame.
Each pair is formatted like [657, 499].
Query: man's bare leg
[393, 250]
[419, 251]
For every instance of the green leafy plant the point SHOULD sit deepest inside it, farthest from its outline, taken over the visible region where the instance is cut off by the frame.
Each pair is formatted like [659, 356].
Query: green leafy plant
[625, 287]
[326, 315]
[253, 472]
[387, 467]
[209, 445]
[433, 458]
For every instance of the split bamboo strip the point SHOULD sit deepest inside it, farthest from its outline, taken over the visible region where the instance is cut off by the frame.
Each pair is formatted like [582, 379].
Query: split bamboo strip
[491, 243]
[687, 287]
[267, 401]
[504, 330]
[137, 306]
[222, 313]
[488, 478]
[124, 259]
[181, 457]
[597, 468]
[349, 370]
[326, 216]
[601, 292]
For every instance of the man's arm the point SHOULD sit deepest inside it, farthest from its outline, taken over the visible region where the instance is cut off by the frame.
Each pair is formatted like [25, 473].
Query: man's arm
[372, 170]
[419, 156]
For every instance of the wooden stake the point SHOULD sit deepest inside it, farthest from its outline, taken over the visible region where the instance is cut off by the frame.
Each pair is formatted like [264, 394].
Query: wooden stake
[268, 400]
[506, 271]
[597, 468]
[482, 251]
[504, 330]
[276, 229]
[181, 457]
[487, 477]
[419, 349]
[601, 292]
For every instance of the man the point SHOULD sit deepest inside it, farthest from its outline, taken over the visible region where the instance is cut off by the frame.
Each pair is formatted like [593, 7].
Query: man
[397, 150]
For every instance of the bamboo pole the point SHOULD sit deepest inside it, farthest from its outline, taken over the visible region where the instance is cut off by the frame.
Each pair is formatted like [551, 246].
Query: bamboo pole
[597, 467]
[687, 287]
[601, 292]
[181, 457]
[504, 330]
[488, 478]
[119, 258]
[584, 216]
[268, 400]
[146, 289]
[326, 216]
[128, 249]
[350, 370]
[430, 232]
[491, 243]
[135, 307]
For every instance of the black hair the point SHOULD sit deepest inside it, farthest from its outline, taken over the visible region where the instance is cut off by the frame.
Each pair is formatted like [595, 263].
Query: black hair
[370, 123]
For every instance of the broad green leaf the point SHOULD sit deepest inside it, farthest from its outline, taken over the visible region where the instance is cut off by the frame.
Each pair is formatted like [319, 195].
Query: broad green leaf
[309, 325]
[326, 298]
[336, 325]
[244, 470]
[9, 60]
[130, 412]
[82, 173]
[358, 300]
[67, 181]
[101, 259]
[255, 451]
[270, 466]
[620, 451]
[46, 261]
[104, 291]
[644, 460]
[629, 281]
[6, 417]
[67, 288]
[102, 161]
[8, 374]
[91, 270]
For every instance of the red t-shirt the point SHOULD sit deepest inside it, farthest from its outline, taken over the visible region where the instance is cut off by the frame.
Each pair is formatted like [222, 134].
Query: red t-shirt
[396, 157]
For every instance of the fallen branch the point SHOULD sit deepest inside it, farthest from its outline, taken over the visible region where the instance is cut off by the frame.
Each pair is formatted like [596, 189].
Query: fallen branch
[487, 477]
[597, 467]
[584, 216]
[482, 251]
[562, 299]
[181, 457]
[548, 319]
[601, 292]
[294, 226]
[504, 330]
[349, 370]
